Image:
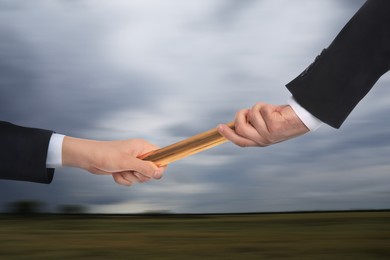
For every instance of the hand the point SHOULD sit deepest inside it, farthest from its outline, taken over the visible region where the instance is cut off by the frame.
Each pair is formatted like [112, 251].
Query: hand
[263, 125]
[117, 158]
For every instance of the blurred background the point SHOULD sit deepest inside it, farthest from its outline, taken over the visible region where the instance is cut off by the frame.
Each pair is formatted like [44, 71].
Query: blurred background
[166, 70]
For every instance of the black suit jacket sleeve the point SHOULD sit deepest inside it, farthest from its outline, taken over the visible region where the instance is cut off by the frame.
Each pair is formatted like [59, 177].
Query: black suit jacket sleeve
[344, 73]
[23, 153]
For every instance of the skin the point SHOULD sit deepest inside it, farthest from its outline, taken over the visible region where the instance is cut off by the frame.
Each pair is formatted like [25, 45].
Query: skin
[116, 158]
[264, 125]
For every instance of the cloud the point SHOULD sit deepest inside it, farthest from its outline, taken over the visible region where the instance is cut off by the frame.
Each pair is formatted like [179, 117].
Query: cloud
[167, 70]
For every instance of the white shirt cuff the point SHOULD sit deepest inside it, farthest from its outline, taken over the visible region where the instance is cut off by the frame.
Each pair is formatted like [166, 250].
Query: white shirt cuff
[54, 152]
[312, 122]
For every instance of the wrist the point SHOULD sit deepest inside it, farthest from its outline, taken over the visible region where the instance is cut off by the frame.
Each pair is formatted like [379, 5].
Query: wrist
[295, 123]
[310, 121]
[77, 152]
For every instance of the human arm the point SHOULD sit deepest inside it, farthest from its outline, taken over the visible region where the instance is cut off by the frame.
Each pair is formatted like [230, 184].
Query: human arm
[331, 86]
[24, 156]
[23, 152]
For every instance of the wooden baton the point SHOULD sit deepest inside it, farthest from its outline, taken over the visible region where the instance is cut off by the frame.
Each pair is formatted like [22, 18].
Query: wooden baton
[186, 147]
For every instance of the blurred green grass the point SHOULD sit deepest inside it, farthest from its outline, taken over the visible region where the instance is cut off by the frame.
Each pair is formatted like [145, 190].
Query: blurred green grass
[331, 235]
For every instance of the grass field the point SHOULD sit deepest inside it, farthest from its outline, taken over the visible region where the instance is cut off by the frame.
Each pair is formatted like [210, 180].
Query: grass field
[332, 235]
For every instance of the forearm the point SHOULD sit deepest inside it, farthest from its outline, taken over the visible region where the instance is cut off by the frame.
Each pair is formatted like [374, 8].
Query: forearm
[78, 152]
[30, 154]
[343, 74]
[310, 121]
[71, 152]
[23, 153]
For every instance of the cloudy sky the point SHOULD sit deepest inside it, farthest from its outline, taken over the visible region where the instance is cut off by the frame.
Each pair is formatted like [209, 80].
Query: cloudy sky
[166, 70]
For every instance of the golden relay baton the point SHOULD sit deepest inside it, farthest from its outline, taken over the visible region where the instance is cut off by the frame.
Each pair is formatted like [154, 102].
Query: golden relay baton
[186, 147]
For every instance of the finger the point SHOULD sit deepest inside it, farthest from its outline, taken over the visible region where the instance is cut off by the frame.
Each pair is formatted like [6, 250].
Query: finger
[256, 118]
[159, 173]
[118, 178]
[129, 176]
[241, 117]
[146, 168]
[243, 127]
[271, 115]
[141, 178]
[229, 134]
[264, 119]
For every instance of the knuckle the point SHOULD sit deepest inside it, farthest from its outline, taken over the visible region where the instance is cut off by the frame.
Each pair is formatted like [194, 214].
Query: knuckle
[242, 111]
[240, 130]
[265, 110]
[258, 105]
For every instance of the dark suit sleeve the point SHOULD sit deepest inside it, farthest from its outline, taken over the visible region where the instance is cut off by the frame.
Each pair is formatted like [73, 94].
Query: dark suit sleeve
[344, 73]
[23, 153]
